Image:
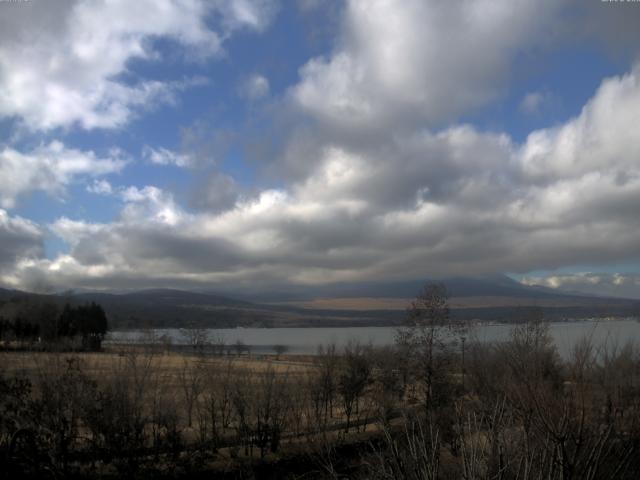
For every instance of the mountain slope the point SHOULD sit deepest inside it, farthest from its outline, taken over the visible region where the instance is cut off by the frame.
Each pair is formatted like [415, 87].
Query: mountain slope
[489, 298]
[494, 285]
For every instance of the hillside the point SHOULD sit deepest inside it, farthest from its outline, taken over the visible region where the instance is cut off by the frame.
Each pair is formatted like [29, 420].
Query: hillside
[488, 299]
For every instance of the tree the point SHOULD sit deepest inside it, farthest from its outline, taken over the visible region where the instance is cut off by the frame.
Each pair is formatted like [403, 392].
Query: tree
[323, 384]
[89, 321]
[31, 317]
[218, 341]
[196, 337]
[280, 349]
[67, 322]
[5, 327]
[191, 378]
[93, 326]
[240, 347]
[354, 378]
[429, 335]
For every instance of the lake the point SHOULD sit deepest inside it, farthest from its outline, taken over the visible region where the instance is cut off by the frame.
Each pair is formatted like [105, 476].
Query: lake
[306, 340]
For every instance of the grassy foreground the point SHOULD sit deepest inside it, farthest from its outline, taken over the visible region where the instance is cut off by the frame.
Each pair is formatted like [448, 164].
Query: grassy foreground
[422, 409]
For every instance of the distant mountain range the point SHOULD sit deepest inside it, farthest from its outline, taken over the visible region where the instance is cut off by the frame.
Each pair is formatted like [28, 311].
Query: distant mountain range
[496, 298]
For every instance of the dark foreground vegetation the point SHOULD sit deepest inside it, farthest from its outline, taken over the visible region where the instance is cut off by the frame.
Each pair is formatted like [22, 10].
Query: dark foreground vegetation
[437, 405]
[38, 323]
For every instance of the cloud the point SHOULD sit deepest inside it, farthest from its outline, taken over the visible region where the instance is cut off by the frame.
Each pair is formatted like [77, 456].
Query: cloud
[63, 65]
[214, 192]
[455, 202]
[100, 187]
[533, 102]
[403, 65]
[379, 181]
[150, 204]
[50, 168]
[255, 87]
[254, 14]
[613, 24]
[19, 239]
[626, 285]
[163, 156]
[430, 62]
[598, 141]
[205, 143]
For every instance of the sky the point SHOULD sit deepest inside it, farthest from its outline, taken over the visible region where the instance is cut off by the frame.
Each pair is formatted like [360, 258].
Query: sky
[248, 144]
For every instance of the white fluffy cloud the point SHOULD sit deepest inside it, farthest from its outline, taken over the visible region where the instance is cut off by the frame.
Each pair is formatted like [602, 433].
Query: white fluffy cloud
[163, 156]
[255, 87]
[100, 187]
[602, 139]
[455, 202]
[398, 64]
[423, 62]
[63, 63]
[49, 168]
[150, 204]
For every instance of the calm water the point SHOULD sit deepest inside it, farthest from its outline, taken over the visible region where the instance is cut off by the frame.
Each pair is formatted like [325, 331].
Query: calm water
[306, 340]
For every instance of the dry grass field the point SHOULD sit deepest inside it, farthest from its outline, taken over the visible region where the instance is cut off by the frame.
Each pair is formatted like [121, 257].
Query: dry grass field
[168, 364]
[147, 412]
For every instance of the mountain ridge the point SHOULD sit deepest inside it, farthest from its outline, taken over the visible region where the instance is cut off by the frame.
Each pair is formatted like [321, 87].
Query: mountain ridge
[496, 298]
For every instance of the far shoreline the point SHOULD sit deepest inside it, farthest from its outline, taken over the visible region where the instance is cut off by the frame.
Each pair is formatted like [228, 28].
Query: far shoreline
[474, 323]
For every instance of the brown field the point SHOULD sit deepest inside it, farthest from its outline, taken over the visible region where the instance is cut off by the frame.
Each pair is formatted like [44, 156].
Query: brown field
[264, 398]
[143, 412]
[166, 364]
[368, 303]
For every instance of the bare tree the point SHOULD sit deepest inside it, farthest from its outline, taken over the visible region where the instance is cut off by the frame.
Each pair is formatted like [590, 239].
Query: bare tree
[272, 403]
[216, 410]
[219, 343]
[280, 350]
[191, 383]
[429, 337]
[241, 347]
[196, 337]
[324, 383]
[119, 416]
[411, 454]
[354, 378]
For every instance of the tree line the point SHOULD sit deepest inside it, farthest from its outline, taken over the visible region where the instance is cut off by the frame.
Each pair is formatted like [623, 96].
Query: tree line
[30, 323]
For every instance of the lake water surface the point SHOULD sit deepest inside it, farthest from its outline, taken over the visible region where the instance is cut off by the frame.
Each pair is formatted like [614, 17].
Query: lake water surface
[306, 340]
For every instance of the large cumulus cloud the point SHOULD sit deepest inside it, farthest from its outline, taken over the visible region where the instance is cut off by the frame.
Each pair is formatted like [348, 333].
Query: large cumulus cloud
[65, 64]
[430, 62]
[426, 61]
[380, 180]
[458, 201]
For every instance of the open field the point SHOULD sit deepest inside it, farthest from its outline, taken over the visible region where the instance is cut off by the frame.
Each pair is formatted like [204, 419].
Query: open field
[157, 405]
[168, 365]
[361, 412]
[364, 304]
